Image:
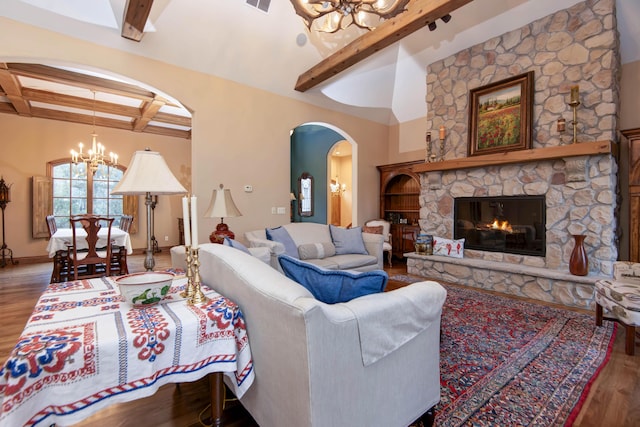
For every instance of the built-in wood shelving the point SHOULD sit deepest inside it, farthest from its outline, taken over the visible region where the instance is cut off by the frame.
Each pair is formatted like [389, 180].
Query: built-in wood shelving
[521, 156]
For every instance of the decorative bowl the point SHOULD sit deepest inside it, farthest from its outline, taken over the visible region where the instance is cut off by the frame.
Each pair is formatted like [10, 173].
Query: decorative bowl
[144, 289]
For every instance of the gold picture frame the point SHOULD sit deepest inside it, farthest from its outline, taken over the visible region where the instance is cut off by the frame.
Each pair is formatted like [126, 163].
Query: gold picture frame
[501, 116]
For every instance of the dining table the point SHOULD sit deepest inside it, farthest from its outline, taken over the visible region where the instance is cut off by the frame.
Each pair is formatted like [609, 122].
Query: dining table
[63, 237]
[85, 348]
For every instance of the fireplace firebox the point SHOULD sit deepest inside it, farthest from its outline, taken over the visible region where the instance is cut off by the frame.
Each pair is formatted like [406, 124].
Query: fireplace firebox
[511, 224]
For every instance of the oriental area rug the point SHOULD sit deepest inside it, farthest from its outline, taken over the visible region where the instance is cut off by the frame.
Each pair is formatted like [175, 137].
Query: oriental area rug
[508, 362]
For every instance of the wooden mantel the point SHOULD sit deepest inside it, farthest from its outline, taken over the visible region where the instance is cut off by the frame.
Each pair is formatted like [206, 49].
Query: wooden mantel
[521, 156]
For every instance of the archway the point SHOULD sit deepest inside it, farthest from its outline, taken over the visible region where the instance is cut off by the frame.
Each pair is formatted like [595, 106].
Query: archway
[311, 148]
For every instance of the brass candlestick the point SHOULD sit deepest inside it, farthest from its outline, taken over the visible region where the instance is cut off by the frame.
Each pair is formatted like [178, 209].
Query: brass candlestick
[198, 296]
[561, 128]
[574, 123]
[188, 291]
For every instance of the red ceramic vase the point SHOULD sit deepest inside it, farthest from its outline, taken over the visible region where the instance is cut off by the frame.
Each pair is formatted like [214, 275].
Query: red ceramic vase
[578, 263]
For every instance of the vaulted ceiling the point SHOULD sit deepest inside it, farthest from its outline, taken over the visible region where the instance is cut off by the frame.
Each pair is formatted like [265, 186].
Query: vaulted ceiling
[268, 50]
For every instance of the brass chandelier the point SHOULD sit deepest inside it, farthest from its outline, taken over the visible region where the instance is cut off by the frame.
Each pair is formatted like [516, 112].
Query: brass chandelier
[330, 16]
[94, 156]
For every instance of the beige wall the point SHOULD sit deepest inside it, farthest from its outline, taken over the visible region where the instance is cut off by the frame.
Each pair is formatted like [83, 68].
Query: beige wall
[240, 136]
[407, 141]
[630, 96]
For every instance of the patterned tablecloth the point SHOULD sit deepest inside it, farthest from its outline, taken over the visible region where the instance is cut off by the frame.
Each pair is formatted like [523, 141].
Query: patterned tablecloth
[84, 348]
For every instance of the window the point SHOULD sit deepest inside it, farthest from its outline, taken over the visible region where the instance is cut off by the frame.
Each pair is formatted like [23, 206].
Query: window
[74, 191]
[263, 5]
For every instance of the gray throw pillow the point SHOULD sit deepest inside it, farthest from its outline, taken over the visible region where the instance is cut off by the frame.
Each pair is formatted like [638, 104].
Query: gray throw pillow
[316, 250]
[348, 240]
[281, 235]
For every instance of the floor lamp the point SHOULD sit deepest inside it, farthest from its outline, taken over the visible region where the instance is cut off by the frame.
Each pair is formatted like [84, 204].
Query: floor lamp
[148, 175]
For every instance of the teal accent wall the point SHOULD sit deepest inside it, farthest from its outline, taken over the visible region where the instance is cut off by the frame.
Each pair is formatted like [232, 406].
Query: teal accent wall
[310, 145]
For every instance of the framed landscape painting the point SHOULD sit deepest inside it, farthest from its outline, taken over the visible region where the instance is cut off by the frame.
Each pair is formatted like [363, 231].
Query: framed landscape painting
[500, 116]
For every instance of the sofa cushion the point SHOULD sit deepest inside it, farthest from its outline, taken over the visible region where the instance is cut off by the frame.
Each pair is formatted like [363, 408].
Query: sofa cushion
[347, 240]
[333, 286]
[281, 235]
[235, 244]
[316, 250]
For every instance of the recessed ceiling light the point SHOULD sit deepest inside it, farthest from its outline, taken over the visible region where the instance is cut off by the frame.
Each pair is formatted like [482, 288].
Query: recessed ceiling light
[301, 40]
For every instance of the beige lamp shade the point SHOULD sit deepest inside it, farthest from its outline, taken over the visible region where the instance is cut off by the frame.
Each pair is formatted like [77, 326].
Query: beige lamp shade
[222, 205]
[148, 173]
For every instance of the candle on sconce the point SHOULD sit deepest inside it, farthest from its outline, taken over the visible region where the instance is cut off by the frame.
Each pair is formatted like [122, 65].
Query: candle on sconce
[575, 93]
[194, 223]
[186, 223]
[562, 125]
[442, 132]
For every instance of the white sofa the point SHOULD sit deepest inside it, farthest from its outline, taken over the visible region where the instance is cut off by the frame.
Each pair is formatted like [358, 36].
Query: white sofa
[372, 361]
[304, 233]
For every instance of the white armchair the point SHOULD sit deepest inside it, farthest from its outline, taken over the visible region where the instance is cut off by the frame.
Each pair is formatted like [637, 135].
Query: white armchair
[387, 245]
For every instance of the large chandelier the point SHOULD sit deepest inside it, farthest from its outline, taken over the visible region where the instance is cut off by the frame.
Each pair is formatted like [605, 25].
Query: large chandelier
[330, 16]
[94, 156]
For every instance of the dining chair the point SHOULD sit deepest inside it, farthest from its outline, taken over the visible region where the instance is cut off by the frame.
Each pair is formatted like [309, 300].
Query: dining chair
[51, 225]
[95, 261]
[125, 222]
[119, 264]
[60, 270]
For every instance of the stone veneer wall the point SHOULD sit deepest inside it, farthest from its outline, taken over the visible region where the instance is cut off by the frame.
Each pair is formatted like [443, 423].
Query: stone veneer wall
[576, 46]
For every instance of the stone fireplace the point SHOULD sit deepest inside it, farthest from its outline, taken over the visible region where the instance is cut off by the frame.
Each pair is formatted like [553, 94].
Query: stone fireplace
[576, 46]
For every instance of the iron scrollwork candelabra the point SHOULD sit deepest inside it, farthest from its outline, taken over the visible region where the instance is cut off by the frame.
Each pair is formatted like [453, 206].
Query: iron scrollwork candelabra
[5, 252]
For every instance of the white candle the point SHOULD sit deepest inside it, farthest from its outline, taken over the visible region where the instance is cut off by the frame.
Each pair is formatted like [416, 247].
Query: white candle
[194, 223]
[185, 221]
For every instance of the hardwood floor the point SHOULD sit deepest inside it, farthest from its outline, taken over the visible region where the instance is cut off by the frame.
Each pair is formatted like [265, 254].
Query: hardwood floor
[614, 398]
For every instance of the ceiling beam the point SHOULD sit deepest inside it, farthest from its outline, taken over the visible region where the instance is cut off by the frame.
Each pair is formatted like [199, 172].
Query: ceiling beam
[13, 91]
[37, 95]
[93, 83]
[134, 113]
[417, 16]
[136, 13]
[148, 113]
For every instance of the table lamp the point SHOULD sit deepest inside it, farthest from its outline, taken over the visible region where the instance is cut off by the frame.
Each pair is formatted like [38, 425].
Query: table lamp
[221, 206]
[148, 174]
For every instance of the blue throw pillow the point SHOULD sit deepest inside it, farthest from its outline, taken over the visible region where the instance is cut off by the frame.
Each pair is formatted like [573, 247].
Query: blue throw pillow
[333, 286]
[281, 235]
[235, 244]
[347, 240]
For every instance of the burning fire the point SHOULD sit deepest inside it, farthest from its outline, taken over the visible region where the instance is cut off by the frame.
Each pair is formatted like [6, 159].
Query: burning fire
[501, 225]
